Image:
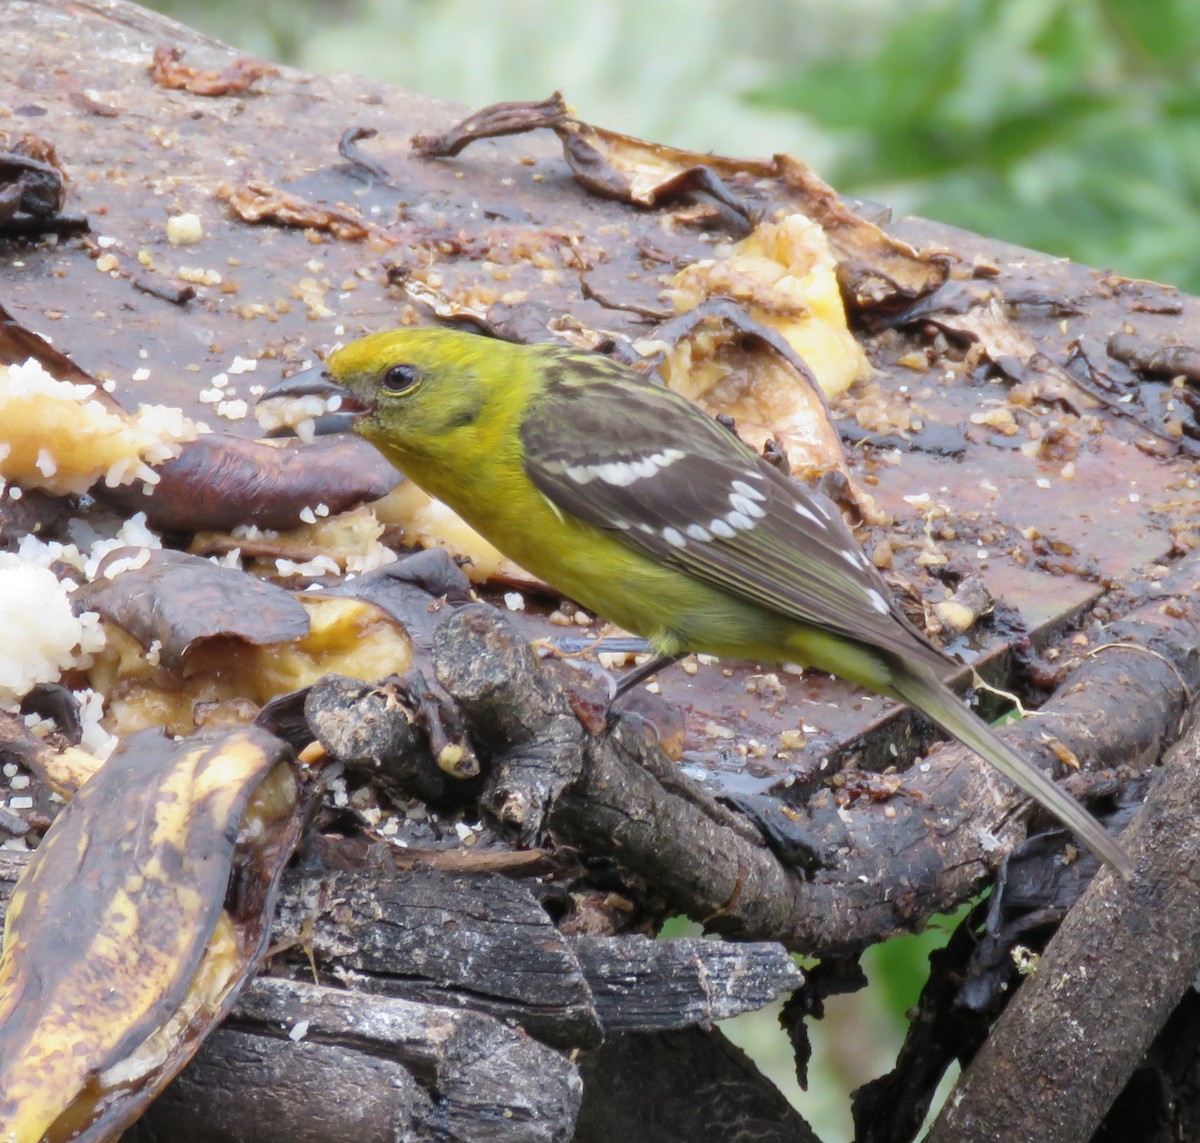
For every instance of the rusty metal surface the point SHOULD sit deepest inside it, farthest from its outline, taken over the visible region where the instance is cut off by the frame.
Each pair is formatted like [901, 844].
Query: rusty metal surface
[506, 221]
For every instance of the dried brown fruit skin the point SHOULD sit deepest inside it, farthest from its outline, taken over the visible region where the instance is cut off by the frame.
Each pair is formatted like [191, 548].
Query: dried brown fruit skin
[35, 512]
[32, 187]
[63, 769]
[189, 642]
[219, 481]
[177, 600]
[417, 592]
[258, 201]
[167, 71]
[766, 372]
[876, 270]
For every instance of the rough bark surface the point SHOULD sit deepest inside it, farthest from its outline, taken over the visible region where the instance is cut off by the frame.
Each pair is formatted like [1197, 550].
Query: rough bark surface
[1117, 967]
[690, 1086]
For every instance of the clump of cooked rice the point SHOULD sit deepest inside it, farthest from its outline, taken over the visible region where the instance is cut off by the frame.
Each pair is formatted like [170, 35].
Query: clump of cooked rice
[296, 413]
[57, 436]
[43, 637]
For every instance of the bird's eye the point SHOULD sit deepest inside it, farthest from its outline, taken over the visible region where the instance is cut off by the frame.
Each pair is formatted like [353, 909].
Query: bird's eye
[400, 377]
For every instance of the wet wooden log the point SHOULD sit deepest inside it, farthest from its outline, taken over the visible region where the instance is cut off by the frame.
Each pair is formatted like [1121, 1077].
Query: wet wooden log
[301, 1062]
[486, 943]
[647, 1087]
[1118, 966]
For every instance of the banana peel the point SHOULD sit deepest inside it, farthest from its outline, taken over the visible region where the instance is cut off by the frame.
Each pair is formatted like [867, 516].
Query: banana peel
[144, 910]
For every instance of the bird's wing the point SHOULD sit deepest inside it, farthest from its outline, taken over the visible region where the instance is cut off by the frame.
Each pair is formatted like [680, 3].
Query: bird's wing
[642, 462]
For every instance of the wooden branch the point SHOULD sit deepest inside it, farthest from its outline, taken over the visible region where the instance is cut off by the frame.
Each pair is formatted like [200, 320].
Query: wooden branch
[955, 817]
[302, 1063]
[1104, 988]
[486, 943]
[640, 985]
[610, 798]
[1161, 1101]
[691, 1086]
[481, 942]
[896, 862]
[517, 711]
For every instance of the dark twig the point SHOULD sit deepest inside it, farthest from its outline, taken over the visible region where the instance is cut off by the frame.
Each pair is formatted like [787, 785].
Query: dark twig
[1104, 988]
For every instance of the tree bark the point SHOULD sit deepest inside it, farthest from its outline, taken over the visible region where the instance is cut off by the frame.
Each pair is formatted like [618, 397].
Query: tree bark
[1109, 979]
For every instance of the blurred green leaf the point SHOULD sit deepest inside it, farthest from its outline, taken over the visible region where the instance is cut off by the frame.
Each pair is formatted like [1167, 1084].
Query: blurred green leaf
[1166, 30]
[899, 967]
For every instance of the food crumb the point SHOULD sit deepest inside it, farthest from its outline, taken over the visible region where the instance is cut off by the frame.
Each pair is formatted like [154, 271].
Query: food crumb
[233, 410]
[198, 276]
[184, 229]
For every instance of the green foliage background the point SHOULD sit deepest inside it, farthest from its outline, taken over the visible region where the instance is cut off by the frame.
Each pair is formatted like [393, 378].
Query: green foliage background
[1071, 126]
[1067, 125]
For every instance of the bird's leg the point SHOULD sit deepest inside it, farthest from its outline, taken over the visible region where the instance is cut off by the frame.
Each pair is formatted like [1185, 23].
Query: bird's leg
[630, 679]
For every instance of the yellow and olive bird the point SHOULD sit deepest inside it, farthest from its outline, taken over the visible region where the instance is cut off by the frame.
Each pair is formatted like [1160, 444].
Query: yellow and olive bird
[635, 503]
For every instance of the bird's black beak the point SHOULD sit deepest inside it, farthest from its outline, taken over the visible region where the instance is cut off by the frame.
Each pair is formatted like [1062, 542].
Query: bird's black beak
[344, 406]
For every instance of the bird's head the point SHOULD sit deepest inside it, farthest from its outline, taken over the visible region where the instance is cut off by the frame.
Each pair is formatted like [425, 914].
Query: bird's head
[408, 390]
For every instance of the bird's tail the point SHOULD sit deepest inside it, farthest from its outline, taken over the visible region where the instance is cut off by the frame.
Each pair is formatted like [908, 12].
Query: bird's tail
[933, 698]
